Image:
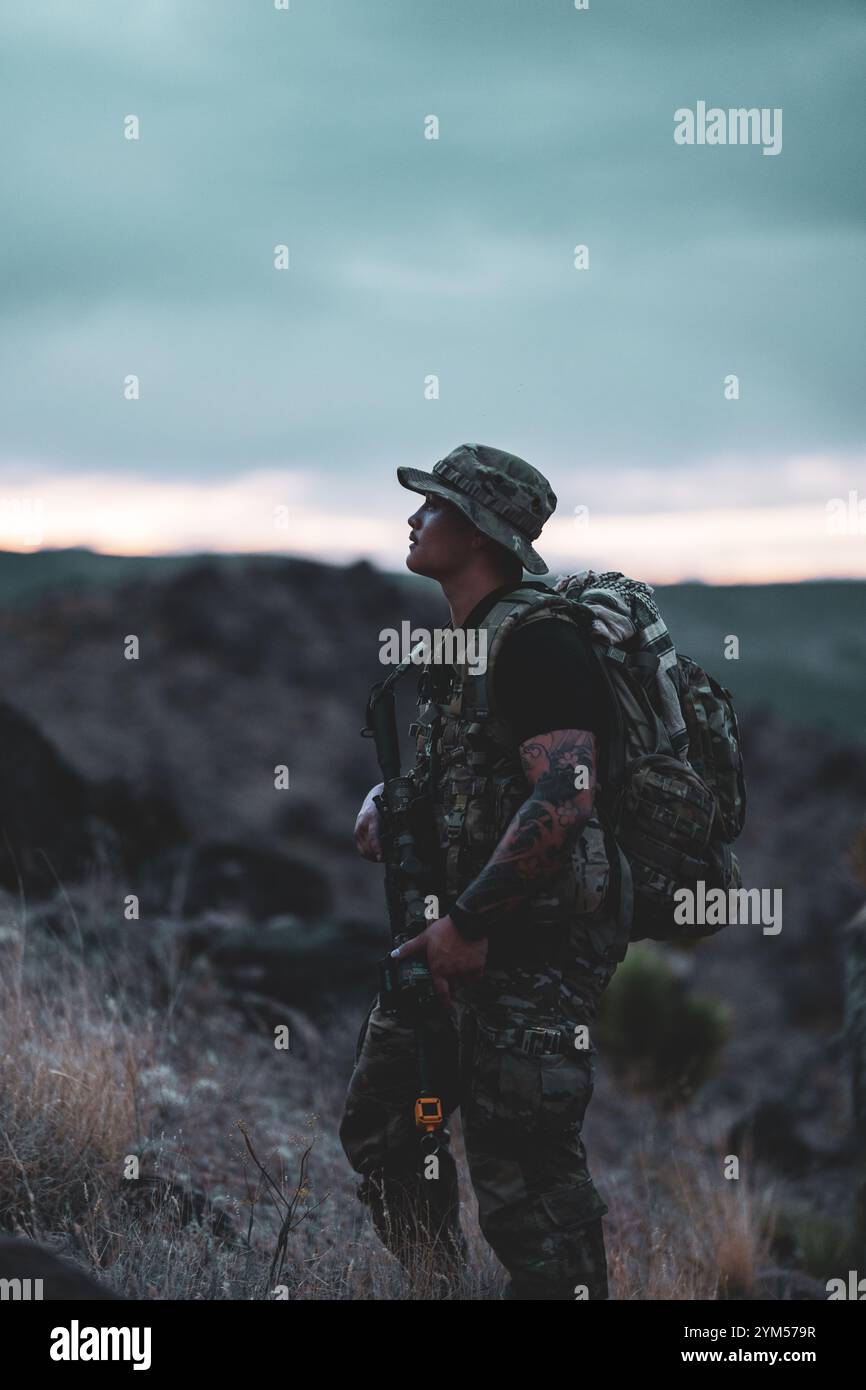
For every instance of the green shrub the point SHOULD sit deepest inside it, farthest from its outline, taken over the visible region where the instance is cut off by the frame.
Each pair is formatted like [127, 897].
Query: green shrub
[655, 1031]
[813, 1242]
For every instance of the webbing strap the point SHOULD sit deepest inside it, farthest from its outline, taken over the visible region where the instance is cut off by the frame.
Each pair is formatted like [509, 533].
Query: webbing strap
[638, 661]
[624, 906]
[480, 706]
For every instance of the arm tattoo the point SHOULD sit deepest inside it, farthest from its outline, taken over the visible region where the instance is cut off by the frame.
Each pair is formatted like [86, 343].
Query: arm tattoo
[539, 839]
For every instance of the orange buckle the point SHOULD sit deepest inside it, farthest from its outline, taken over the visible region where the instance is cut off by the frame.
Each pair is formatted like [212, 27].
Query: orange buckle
[428, 1113]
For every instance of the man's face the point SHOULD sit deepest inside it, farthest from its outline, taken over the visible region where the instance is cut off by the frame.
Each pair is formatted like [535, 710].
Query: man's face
[440, 538]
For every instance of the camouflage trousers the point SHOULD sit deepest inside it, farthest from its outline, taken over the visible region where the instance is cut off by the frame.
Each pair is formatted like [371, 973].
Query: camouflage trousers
[522, 1108]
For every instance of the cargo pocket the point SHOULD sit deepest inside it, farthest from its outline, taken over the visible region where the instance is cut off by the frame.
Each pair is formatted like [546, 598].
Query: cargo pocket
[574, 1206]
[566, 1090]
[510, 1088]
[505, 1088]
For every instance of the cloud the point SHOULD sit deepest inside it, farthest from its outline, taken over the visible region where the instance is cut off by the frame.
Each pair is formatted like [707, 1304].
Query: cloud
[662, 537]
[412, 257]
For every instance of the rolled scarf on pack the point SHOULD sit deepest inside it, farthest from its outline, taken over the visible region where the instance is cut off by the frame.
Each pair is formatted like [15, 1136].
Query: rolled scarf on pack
[624, 609]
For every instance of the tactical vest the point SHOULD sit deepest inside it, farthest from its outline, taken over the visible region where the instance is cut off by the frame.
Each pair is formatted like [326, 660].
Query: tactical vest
[469, 764]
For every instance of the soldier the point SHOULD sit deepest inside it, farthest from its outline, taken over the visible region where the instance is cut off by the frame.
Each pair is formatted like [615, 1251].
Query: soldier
[530, 938]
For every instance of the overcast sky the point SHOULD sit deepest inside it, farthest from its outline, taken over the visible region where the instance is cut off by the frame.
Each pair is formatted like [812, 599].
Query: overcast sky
[409, 257]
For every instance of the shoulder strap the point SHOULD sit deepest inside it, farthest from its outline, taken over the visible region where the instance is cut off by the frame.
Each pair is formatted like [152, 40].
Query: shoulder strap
[526, 603]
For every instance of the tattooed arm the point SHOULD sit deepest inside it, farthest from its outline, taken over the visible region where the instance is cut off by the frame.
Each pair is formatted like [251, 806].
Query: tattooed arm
[560, 768]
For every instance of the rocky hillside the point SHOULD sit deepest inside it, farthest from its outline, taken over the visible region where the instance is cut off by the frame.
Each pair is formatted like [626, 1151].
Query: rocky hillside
[155, 777]
[240, 669]
[246, 664]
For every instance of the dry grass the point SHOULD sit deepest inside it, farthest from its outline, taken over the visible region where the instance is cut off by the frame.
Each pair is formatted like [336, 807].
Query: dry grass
[243, 1191]
[686, 1233]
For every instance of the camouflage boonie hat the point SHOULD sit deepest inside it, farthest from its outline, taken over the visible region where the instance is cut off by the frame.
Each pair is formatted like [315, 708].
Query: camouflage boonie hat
[504, 496]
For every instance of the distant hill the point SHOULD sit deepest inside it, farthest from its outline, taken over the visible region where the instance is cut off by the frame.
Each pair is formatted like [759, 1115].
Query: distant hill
[23, 577]
[247, 663]
[802, 646]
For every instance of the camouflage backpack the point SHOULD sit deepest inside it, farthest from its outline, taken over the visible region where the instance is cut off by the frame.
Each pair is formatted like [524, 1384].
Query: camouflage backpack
[671, 790]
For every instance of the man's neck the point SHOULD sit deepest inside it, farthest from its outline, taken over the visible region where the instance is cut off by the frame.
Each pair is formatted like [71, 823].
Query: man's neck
[465, 591]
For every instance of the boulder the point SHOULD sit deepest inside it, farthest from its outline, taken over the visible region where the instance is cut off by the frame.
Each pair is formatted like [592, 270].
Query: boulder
[57, 825]
[246, 881]
[23, 1262]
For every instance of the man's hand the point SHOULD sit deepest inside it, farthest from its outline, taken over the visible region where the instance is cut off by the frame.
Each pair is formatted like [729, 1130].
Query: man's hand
[367, 841]
[449, 956]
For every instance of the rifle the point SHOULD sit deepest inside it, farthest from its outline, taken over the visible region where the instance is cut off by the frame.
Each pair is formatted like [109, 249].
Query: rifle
[405, 987]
